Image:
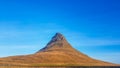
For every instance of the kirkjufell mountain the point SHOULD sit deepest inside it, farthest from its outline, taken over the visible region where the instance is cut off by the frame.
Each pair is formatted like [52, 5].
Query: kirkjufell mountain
[57, 52]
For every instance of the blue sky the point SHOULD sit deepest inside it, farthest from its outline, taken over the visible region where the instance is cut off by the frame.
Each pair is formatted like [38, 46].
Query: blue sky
[91, 26]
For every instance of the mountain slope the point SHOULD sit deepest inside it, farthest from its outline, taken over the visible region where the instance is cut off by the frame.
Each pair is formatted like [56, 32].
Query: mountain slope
[57, 52]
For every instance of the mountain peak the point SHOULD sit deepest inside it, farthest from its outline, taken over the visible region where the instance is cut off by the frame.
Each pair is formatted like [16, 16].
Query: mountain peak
[58, 41]
[57, 37]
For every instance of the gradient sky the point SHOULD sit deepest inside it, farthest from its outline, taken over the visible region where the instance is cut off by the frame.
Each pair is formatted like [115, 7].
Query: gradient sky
[91, 26]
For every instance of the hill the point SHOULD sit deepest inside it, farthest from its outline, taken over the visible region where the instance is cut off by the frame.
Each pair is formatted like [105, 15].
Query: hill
[58, 52]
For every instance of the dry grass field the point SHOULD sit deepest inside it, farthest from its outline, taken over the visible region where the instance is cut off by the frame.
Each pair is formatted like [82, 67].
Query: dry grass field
[57, 53]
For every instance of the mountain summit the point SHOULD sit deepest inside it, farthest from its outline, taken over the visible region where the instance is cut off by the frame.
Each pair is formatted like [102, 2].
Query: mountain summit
[57, 42]
[57, 52]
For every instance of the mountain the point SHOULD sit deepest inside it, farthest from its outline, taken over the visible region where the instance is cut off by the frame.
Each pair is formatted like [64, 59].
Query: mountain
[57, 52]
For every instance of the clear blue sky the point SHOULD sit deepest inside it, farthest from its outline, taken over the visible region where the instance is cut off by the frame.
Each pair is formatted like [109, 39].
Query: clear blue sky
[91, 26]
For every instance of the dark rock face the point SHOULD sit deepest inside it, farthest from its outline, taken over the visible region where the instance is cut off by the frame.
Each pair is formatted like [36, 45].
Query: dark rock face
[57, 42]
[56, 38]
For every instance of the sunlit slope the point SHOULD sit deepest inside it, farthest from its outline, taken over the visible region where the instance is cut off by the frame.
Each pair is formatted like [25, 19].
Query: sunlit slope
[58, 52]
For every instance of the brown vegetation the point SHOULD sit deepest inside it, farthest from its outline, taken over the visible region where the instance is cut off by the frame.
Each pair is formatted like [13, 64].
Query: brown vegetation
[58, 52]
